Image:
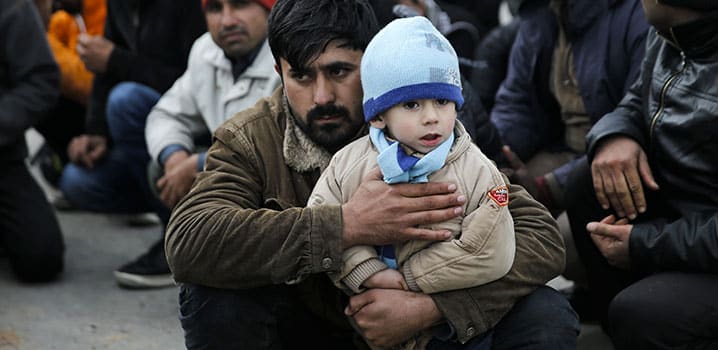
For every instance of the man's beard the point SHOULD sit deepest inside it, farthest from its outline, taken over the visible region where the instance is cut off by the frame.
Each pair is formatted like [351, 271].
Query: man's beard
[330, 136]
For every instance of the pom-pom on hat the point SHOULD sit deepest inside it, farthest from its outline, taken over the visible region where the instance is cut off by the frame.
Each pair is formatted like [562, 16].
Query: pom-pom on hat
[408, 60]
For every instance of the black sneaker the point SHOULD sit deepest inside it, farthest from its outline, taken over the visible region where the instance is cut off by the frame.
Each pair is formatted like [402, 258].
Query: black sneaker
[150, 270]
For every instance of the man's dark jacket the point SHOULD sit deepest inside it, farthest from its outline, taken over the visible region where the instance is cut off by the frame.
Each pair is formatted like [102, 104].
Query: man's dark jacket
[672, 112]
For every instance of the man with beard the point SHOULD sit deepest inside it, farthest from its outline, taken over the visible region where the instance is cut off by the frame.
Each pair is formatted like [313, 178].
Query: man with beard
[229, 69]
[253, 260]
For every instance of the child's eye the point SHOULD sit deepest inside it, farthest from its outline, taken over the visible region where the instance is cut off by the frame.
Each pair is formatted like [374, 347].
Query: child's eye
[411, 105]
[442, 101]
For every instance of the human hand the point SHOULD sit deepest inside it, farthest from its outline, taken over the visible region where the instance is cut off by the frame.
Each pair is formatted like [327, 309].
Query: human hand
[611, 237]
[94, 51]
[386, 279]
[518, 173]
[87, 149]
[379, 213]
[180, 172]
[387, 317]
[618, 168]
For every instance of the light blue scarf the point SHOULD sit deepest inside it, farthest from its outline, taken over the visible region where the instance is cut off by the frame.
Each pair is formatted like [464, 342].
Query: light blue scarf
[398, 167]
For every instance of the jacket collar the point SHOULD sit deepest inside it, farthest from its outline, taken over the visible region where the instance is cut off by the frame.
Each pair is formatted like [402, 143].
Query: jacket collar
[216, 57]
[695, 39]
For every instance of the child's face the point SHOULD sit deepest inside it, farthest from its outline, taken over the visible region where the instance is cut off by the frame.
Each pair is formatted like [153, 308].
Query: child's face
[420, 124]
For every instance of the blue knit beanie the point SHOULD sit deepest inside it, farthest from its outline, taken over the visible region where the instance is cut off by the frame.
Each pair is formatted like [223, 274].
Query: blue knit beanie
[408, 60]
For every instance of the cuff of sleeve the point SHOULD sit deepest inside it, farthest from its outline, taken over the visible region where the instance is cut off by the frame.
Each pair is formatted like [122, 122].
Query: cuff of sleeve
[326, 238]
[168, 151]
[410, 279]
[361, 273]
[200, 161]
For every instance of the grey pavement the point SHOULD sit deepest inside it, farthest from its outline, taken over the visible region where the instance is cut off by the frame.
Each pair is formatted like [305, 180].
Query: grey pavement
[85, 309]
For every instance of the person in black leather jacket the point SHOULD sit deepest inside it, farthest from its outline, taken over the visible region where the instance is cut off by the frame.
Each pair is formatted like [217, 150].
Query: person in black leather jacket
[649, 200]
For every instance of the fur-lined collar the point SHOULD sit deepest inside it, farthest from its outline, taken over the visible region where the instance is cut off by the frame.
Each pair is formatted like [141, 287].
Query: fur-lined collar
[300, 152]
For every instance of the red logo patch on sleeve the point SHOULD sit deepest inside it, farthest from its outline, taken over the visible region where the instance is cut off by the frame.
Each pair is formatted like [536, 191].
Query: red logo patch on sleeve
[500, 195]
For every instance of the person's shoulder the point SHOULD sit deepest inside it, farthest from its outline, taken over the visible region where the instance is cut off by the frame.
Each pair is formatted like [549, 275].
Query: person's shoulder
[261, 118]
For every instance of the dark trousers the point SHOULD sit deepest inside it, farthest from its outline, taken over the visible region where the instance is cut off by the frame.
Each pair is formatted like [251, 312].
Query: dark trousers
[670, 310]
[273, 318]
[29, 232]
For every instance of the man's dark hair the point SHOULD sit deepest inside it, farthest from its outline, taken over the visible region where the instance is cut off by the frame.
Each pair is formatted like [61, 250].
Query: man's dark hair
[300, 30]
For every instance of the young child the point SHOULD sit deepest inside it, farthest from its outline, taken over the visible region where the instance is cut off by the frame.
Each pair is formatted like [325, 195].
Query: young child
[412, 90]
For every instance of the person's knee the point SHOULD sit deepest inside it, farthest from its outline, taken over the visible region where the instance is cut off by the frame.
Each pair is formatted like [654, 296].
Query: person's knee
[544, 319]
[126, 104]
[635, 317]
[37, 268]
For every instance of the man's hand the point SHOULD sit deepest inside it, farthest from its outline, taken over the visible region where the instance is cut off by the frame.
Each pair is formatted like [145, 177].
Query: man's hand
[87, 149]
[387, 279]
[180, 171]
[94, 51]
[387, 317]
[380, 214]
[518, 173]
[618, 168]
[611, 238]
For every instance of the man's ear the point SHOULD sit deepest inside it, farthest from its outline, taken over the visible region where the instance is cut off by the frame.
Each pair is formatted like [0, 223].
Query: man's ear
[378, 122]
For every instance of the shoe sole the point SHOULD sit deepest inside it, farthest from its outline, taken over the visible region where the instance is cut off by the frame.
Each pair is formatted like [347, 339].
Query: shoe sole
[142, 282]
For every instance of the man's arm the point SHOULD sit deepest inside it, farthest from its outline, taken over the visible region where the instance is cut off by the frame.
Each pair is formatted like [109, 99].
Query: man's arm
[29, 77]
[226, 234]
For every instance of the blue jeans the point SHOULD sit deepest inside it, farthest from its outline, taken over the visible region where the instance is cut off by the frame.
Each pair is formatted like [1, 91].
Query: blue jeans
[271, 318]
[118, 183]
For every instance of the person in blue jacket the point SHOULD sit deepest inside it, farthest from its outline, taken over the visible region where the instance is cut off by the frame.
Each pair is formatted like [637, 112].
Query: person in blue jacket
[571, 63]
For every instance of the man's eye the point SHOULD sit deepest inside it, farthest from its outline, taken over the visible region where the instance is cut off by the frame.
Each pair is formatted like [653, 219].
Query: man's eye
[300, 77]
[338, 72]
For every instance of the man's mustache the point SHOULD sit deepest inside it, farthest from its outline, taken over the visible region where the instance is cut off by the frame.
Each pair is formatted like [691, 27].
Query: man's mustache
[232, 30]
[326, 110]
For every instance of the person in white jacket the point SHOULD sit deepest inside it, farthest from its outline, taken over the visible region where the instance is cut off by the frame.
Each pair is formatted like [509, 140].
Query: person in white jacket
[229, 69]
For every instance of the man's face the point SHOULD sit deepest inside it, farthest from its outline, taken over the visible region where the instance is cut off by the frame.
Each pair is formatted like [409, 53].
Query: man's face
[236, 26]
[326, 96]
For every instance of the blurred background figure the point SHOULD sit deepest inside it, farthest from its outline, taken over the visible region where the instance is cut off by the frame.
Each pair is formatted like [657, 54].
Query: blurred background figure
[29, 86]
[71, 19]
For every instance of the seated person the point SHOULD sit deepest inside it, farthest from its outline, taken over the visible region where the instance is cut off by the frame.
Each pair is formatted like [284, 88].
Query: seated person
[644, 207]
[29, 85]
[411, 94]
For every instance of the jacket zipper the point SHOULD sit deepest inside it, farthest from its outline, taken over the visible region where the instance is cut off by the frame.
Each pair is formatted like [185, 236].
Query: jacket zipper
[662, 99]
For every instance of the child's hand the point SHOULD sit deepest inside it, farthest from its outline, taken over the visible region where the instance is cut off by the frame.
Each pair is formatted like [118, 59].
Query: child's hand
[386, 279]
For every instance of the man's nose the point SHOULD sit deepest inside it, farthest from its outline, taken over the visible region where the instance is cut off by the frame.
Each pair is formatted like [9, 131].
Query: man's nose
[323, 91]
